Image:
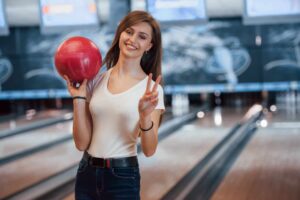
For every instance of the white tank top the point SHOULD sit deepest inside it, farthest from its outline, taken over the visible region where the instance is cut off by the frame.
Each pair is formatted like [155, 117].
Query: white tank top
[115, 117]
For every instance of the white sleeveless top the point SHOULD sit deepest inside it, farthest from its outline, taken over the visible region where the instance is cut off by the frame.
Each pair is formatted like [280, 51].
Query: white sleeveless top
[115, 117]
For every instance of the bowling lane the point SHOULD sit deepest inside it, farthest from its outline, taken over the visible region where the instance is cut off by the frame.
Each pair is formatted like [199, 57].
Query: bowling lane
[175, 157]
[269, 166]
[32, 169]
[30, 117]
[181, 151]
[30, 139]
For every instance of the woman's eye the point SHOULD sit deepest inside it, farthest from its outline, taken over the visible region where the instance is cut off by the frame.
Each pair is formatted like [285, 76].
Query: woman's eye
[128, 31]
[143, 37]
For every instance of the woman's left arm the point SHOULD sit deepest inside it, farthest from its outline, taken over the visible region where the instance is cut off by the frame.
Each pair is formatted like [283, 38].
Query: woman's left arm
[149, 118]
[149, 138]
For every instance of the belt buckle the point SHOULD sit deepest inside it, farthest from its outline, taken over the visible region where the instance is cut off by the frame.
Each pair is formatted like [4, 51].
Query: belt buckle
[102, 163]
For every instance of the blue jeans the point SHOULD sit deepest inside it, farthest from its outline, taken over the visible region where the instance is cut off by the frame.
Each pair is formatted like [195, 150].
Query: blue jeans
[95, 183]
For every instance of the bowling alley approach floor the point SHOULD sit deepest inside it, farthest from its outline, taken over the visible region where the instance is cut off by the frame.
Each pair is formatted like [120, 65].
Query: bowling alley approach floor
[268, 167]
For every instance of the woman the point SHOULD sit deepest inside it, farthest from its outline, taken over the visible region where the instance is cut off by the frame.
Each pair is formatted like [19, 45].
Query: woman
[115, 108]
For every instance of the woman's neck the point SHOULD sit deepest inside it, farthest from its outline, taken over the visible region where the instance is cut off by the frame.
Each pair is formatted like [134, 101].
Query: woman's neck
[129, 67]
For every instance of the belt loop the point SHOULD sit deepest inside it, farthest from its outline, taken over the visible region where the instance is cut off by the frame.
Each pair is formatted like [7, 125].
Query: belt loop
[85, 156]
[88, 157]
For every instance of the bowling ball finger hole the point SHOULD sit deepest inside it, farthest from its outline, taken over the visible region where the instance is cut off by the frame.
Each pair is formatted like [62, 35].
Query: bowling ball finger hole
[76, 84]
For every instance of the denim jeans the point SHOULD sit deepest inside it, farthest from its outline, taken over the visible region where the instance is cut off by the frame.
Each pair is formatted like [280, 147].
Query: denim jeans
[95, 183]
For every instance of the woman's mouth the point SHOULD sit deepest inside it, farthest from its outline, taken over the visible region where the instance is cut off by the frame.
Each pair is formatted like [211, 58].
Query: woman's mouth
[130, 46]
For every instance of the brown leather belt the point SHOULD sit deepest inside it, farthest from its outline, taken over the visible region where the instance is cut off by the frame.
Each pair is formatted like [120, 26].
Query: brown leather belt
[110, 162]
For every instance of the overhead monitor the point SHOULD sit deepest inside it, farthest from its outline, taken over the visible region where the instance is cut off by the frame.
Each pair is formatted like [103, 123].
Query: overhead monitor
[60, 16]
[271, 12]
[3, 22]
[178, 12]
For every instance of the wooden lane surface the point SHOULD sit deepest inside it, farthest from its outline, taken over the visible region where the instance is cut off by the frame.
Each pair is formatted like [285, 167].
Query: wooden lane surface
[174, 158]
[32, 169]
[267, 169]
[19, 143]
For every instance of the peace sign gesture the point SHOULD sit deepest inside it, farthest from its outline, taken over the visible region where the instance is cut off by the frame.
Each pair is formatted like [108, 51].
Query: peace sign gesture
[149, 100]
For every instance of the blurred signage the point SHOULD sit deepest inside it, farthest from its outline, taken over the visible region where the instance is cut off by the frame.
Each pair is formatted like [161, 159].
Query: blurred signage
[3, 22]
[177, 11]
[275, 11]
[64, 15]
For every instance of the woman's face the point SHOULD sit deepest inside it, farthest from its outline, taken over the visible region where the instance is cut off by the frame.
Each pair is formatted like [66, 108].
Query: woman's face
[135, 40]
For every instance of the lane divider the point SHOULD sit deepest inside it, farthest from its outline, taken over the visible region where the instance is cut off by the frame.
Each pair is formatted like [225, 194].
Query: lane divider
[204, 178]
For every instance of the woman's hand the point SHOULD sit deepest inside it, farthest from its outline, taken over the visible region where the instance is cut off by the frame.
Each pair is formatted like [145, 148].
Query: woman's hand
[76, 91]
[149, 100]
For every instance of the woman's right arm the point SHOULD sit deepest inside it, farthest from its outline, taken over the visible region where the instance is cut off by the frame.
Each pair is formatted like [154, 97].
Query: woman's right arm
[82, 121]
[82, 124]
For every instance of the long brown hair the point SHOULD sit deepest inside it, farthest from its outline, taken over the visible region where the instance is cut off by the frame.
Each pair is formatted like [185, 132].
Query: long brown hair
[151, 60]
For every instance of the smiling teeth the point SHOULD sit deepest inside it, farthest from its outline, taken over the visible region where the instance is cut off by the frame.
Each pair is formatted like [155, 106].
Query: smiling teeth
[130, 46]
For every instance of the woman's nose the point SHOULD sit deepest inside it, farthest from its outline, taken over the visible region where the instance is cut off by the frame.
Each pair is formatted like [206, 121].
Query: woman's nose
[133, 38]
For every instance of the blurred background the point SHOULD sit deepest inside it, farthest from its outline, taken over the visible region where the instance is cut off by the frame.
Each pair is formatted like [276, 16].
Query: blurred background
[231, 71]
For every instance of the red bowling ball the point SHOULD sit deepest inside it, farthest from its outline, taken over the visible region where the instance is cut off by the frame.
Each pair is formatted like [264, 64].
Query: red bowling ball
[78, 58]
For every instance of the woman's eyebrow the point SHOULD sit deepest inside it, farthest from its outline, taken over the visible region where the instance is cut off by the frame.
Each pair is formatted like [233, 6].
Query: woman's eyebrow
[145, 34]
[141, 32]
